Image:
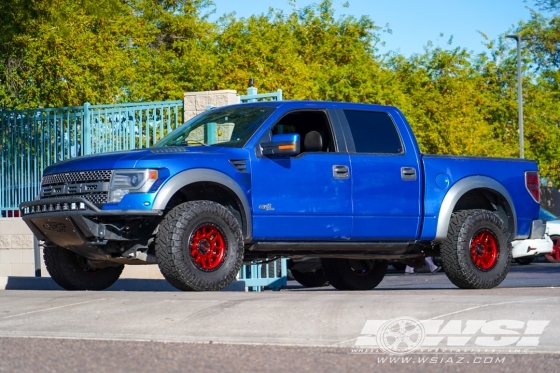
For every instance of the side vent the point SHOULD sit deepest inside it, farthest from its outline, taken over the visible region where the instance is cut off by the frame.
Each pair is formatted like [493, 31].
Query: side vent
[240, 165]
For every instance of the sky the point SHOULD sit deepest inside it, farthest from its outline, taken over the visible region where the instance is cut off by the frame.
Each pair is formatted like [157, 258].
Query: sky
[413, 22]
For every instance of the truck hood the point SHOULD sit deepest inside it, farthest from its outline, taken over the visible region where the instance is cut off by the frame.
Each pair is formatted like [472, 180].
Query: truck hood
[130, 158]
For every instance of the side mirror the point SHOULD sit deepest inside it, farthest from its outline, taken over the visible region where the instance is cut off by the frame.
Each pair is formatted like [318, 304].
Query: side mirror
[282, 145]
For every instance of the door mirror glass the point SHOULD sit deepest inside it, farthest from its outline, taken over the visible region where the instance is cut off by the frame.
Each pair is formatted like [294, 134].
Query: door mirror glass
[282, 145]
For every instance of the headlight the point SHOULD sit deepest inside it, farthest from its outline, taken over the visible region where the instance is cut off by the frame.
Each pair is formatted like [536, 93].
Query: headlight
[131, 181]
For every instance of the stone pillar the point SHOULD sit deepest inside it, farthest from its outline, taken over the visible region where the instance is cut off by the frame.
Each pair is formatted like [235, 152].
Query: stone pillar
[16, 248]
[197, 102]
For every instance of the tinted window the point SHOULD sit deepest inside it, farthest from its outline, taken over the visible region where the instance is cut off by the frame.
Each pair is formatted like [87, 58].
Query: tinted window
[373, 132]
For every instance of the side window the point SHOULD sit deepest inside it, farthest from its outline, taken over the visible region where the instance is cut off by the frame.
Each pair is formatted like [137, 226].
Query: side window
[313, 129]
[373, 132]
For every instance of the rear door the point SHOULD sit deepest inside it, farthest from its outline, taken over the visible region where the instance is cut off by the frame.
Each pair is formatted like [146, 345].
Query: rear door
[386, 180]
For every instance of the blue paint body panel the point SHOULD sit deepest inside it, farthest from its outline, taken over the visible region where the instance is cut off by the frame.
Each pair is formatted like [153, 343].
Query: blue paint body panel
[297, 198]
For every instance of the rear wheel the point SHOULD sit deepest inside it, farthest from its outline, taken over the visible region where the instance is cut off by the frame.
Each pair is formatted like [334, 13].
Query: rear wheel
[311, 279]
[71, 271]
[554, 256]
[199, 246]
[354, 274]
[477, 252]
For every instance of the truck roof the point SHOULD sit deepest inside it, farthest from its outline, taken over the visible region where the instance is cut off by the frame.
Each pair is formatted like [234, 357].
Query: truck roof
[314, 103]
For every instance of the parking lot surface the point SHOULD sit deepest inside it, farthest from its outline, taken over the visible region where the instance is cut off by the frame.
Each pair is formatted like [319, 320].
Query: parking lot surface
[296, 321]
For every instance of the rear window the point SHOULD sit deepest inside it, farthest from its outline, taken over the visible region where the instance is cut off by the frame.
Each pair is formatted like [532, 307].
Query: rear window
[373, 132]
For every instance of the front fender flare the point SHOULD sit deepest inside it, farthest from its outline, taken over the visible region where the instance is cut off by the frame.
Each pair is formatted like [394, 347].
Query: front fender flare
[185, 178]
[458, 190]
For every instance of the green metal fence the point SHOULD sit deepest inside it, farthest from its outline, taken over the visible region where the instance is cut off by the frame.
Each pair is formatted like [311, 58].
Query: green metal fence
[33, 139]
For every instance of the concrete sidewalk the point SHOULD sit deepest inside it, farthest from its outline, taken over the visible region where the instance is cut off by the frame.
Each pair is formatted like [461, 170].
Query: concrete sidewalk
[125, 284]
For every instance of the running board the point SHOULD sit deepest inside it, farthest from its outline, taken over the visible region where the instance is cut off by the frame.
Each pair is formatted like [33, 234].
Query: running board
[379, 248]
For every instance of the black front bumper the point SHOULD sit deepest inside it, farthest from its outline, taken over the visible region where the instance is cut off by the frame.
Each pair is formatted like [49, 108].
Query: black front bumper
[79, 225]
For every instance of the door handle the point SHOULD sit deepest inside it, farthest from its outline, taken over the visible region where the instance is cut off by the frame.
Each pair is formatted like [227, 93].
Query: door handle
[340, 172]
[408, 173]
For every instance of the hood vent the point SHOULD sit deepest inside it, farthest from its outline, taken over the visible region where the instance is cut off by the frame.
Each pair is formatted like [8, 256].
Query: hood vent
[240, 164]
[169, 149]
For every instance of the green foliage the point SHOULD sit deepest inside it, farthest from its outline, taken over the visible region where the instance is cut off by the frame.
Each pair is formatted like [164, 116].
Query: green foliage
[64, 53]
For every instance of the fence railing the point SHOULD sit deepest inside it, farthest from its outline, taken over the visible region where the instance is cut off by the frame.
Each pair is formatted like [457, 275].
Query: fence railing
[32, 140]
[36, 138]
[129, 126]
[258, 275]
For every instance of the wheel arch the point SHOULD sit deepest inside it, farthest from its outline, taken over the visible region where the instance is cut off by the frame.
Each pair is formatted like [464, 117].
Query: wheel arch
[204, 184]
[477, 192]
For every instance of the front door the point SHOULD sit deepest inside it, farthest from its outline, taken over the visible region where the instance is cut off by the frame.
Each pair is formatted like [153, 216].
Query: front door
[306, 197]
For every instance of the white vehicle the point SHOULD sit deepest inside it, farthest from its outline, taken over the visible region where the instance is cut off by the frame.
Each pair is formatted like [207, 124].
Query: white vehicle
[553, 230]
[525, 251]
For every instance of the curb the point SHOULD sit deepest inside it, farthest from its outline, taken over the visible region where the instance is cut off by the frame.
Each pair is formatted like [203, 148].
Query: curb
[125, 284]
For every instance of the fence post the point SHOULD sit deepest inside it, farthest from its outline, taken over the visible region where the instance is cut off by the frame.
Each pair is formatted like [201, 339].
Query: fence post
[86, 131]
[279, 95]
[252, 91]
[37, 257]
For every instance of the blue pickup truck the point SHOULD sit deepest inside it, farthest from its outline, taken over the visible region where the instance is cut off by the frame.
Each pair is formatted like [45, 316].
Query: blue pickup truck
[342, 182]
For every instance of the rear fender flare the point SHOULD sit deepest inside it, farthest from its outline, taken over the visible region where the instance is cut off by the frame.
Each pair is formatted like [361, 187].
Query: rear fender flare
[458, 190]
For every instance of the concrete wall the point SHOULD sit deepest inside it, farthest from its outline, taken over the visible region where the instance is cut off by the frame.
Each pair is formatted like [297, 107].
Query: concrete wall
[16, 248]
[197, 102]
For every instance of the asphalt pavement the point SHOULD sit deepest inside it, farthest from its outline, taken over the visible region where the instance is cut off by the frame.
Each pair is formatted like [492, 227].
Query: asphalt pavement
[308, 329]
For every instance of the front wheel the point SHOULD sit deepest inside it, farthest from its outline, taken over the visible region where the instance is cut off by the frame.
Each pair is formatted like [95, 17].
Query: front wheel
[199, 246]
[354, 274]
[477, 252]
[71, 272]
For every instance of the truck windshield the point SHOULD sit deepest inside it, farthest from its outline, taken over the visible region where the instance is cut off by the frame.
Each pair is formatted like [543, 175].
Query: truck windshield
[230, 126]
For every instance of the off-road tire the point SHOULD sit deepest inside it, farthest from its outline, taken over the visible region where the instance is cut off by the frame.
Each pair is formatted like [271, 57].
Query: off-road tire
[348, 274]
[525, 260]
[467, 230]
[175, 238]
[70, 271]
[311, 279]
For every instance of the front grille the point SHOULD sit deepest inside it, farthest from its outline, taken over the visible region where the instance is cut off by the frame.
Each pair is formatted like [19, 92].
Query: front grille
[90, 185]
[95, 198]
[77, 177]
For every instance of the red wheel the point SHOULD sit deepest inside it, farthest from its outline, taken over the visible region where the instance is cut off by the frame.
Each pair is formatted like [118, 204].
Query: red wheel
[208, 247]
[199, 246]
[477, 251]
[484, 250]
[554, 256]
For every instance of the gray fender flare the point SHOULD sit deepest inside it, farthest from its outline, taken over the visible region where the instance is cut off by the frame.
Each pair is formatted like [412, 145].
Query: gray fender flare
[185, 178]
[458, 190]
